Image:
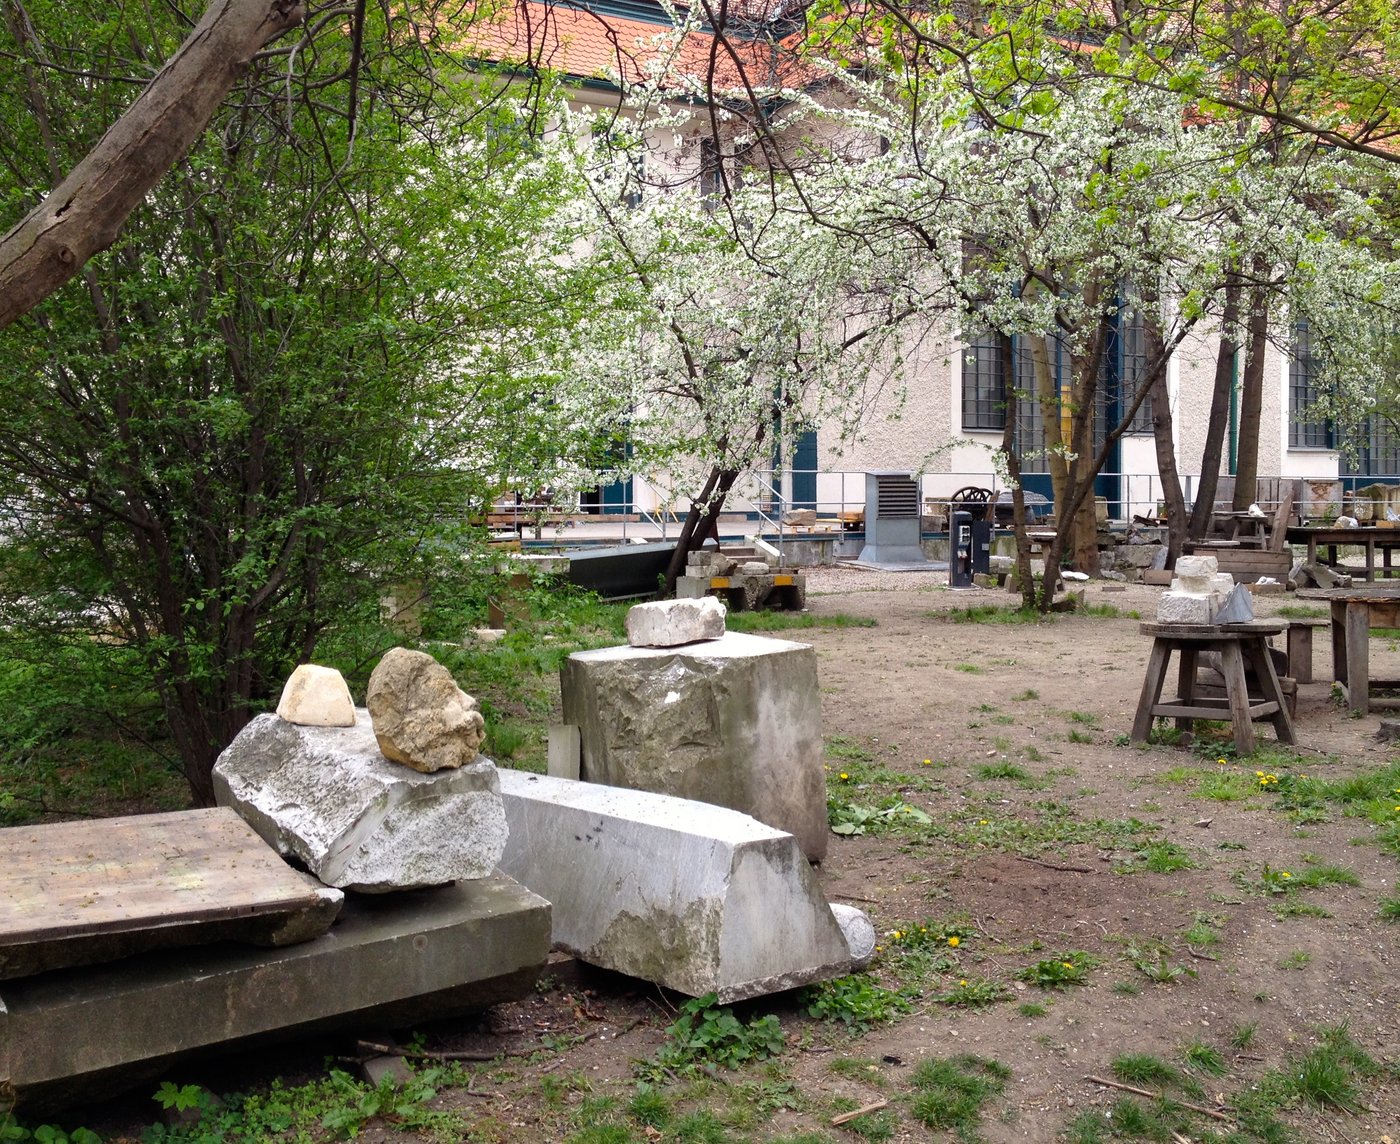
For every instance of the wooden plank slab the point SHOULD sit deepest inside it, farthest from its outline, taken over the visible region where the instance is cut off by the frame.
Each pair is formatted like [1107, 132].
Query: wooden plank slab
[80, 883]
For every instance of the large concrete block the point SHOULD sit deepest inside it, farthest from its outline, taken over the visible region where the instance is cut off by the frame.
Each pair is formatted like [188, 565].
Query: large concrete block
[734, 721]
[390, 961]
[694, 897]
[329, 798]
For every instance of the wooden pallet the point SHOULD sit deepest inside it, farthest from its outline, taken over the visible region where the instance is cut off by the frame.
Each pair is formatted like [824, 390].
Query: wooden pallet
[1247, 564]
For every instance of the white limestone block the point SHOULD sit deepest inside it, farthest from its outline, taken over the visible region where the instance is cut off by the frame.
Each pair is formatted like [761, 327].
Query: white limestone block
[1189, 567]
[1222, 583]
[315, 696]
[859, 933]
[1193, 585]
[327, 797]
[691, 896]
[1185, 608]
[672, 623]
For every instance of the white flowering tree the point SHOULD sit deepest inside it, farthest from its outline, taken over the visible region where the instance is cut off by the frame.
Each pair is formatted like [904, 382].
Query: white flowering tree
[734, 322]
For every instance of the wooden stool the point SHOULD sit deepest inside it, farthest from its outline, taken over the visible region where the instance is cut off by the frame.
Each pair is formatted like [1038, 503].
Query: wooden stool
[1235, 643]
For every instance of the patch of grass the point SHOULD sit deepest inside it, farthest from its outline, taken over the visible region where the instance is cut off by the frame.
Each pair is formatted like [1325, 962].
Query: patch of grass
[1032, 1009]
[649, 1107]
[1204, 1058]
[1389, 910]
[952, 1092]
[1301, 612]
[1076, 736]
[775, 621]
[1202, 931]
[1127, 988]
[1159, 857]
[1084, 718]
[1325, 874]
[969, 668]
[1028, 694]
[846, 749]
[1144, 1069]
[1242, 1036]
[1288, 909]
[1298, 959]
[705, 1033]
[990, 614]
[1001, 771]
[864, 1069]
[1225, 786]
[1153, 960]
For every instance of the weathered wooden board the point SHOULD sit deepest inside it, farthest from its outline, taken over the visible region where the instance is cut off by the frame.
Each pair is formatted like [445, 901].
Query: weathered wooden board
[76, 892]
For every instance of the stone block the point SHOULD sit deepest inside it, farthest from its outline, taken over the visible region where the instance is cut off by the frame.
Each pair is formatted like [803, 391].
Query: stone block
[1193, 585]
[1188, 567]
[693, 897]
[1157, 577]
[316, 696]
[565, 751]
[754, 568]
[734, 721]
[1185, 608]
[671, 623]
[389, 962]
[327, 797]
[421, 718]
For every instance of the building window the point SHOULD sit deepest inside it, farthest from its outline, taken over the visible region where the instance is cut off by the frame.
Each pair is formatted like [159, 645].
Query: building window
[1127, 350]
[1306, 430]
[986, 366]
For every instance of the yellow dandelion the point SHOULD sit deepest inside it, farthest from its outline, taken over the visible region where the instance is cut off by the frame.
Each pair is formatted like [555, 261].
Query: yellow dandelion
[844, 776]
[1221, 760]
[1285, 874]
[1067, 964]
[928, 762]
[953, 940]
[963, 981]
[981, 822]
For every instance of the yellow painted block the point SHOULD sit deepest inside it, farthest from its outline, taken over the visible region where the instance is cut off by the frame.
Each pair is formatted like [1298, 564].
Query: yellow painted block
[719, 582]
[782, 581]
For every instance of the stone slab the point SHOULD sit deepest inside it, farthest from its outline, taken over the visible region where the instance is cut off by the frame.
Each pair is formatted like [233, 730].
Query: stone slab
[327, 797]
[1190, 567]
[735, 722]
[1185, 608]
[694, 897]
[671, 623]
[80, 893]
[565, 751]
[392, 960]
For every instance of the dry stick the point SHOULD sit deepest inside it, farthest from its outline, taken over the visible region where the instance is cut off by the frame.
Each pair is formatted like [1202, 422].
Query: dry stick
[1200, 956]
[846, 1117]
[1156, 1096]
[1055, 866]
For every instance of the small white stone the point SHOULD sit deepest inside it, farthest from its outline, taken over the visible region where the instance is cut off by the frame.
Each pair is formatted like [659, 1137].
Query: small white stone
[1189, 567]
[315, 696]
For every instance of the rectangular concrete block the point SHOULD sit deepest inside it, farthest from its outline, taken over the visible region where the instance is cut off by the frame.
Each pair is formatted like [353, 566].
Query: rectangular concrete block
[691, 896]
[565, 751]
[734, 721]
[396, 959]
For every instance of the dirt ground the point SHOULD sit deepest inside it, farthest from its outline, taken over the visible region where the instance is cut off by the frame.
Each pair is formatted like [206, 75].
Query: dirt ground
[943, 704]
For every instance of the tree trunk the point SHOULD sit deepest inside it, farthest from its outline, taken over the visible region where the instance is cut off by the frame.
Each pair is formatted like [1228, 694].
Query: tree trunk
[1251, 399]
[701, 522]
[1219, 421]
[1018, 494]
[1165, 441]
[84, 214]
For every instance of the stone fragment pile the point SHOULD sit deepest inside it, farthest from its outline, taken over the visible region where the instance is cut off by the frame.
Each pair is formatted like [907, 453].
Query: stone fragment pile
[394, 797]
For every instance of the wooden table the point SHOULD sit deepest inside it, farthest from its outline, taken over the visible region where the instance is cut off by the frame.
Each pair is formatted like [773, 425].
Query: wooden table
[1368, 539]
[1237, 644]
[1354, 610]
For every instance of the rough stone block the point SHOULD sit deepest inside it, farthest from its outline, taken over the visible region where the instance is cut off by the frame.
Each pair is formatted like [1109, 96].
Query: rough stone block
[327, 797]
[1188, 567]
[316, 696]
[694, 897]
[734, 721]
[389, 962]
[1194, 585]
[1185, 608]
[670, 623]
[1222, 583]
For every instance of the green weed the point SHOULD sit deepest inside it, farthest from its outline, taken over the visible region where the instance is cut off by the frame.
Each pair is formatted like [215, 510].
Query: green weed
[1143, 1069]
[1058, 971]
[1204, 1058]
[857, 1001]
[705, 1033]
[773, 621]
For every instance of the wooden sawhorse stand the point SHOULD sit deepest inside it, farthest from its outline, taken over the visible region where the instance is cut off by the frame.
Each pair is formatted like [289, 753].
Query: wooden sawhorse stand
[1237, 644]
